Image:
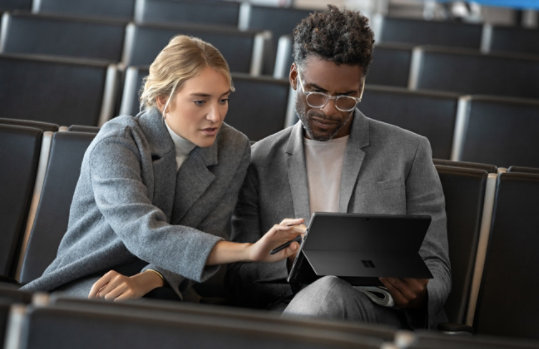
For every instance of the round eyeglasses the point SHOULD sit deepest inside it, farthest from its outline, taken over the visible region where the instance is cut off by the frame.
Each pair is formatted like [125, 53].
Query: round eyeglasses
[319, 100]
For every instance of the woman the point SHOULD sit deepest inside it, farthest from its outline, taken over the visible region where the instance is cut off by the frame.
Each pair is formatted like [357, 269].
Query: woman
[156, 191]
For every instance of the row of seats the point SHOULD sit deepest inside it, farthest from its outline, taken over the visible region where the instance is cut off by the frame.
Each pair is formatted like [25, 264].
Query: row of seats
[491, 225]
[496, 130]
[442, 69]
[39, 321]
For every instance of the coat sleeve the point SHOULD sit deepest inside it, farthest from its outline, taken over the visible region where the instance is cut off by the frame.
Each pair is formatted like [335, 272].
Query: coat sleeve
[122, 198]
[425, 196]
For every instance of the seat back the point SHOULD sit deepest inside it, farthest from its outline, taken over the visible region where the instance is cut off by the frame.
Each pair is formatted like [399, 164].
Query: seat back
[43, 126]
[61, 36]
[52, 214]
[507, 305]
[55, 90]
[277, 20]
[467, 164]
[243, 50]
[390, 65]
[117, 9]
[464, 191]
[76, 325]
[19, 155]
[429, 114]
[9, 5]
[222, 13]
[472, 72]
[429, 32]
[498, 130]
[513, 39]
[259, 106]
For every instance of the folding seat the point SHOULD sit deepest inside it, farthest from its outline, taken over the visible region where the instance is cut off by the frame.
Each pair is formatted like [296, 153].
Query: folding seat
[496, 130]
[466, 199]
[52, 213]
[211, 12]
[391, 64]
[61, 36]
[428, 32]
[490, 168]
[76, 325]
[469, 72]
[20, 148]
[10, 5]
[523, 169]
[43, 126]
[117, 9]
[56, 90]
[278, 20]
[242, 49]
[431, 114]
[259, 107]
[512, 39]
[507, 305]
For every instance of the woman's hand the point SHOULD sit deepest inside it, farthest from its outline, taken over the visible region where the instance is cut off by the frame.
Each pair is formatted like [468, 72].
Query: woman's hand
[280, 233]
[116, 286]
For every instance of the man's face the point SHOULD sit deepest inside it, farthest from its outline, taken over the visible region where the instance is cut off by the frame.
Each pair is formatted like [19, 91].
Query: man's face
[319, 75]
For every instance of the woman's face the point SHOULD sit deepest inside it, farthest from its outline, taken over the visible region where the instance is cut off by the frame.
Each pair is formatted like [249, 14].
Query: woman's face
[198, 109]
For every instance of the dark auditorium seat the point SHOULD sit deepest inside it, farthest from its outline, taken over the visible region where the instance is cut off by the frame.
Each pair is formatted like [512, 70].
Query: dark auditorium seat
[432, 339]
[225, 13]
[83, 128]
[117, 9]
[43, 126]
[242, 49]
[501, 131]
[467, 164]
[428, 32]
[513, 39]
[508, 304]
[469, 72]
[10, 5]
[278, 20]
[390, 65]
[259, 106]
[62, 36]
[56, 90]
[523, 169]
[19, 155]
[464, 191]
[51, 218]
[72, 326]
[430, 114]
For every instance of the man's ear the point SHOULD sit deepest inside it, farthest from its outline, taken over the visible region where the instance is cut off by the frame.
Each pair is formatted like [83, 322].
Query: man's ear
[293, 76]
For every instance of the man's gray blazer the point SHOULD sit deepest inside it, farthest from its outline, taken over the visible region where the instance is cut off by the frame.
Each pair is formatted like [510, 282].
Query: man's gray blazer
[386, 170]
[131, 208]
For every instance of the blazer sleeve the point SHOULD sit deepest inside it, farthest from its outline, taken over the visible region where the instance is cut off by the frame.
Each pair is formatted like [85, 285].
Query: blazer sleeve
[425, 196]
[123, 199]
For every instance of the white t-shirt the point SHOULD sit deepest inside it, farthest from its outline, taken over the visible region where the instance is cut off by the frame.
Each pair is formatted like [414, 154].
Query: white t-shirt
[183, 147]
[324, 168]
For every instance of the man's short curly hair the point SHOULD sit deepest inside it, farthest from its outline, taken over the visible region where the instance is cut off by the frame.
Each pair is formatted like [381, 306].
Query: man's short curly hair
[340, 36]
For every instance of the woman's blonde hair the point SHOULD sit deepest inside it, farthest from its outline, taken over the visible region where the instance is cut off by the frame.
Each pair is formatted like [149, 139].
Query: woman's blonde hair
[182, 59]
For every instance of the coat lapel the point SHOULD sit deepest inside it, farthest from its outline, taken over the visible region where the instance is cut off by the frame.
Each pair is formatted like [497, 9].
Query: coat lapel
[297, 174]
[163, 159]
[353, 159]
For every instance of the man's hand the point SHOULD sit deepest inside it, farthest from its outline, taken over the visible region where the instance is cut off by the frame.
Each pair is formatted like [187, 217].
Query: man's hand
[407, 293]
[116, 286]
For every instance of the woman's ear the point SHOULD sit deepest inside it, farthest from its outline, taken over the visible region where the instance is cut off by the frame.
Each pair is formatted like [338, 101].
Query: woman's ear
[160, 102]
[292, 76]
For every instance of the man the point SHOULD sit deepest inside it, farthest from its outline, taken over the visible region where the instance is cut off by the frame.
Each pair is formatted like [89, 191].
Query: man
[338, 160]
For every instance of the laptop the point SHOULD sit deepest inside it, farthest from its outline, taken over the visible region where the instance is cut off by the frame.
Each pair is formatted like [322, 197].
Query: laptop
[360, 248]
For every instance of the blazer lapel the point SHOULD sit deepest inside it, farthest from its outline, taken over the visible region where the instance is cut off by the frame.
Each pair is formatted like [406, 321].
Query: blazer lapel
[193, 179]
[297, 174]
[353, 158]
[163, 159]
